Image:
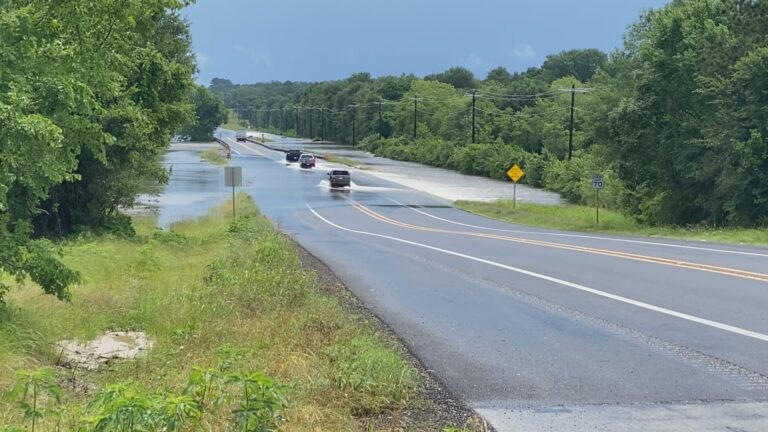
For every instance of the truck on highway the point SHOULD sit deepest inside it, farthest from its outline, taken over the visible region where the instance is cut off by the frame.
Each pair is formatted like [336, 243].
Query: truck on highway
[339, 178]
[241, 135]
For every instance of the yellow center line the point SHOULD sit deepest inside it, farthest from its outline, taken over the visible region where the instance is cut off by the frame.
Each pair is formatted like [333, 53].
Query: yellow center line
[617, 254]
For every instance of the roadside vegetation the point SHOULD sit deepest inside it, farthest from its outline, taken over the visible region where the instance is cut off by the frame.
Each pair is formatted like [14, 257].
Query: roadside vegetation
[675, 121]
[87, 110]
[330, 157]
[583, 219]
[215, 156]
[246, 338]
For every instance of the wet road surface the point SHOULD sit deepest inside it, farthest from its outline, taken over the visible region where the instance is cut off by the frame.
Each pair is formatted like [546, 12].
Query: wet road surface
[442, 183]
[535, 329]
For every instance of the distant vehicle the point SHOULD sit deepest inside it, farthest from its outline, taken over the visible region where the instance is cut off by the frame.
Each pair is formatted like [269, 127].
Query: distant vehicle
[292, 155]
[307, 160]
[241, 135]
[339, 178]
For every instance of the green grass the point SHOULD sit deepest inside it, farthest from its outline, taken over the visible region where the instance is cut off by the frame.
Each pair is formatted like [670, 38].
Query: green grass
[330, 157]
[204, 285]
[214, 155]
[582, 218]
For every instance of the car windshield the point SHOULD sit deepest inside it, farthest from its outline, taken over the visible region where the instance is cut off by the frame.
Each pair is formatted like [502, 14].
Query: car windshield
[339, 172]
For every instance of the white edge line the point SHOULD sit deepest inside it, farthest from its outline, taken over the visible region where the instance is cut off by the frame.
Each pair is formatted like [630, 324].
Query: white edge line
[647, 306]
[584, 236]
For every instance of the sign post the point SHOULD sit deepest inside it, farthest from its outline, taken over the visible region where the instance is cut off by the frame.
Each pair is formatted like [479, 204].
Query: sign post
[597, 184]
[515, 173]
[233, 176]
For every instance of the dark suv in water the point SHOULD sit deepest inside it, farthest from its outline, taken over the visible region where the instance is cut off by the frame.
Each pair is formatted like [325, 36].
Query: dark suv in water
[292, 155]
[338, 178]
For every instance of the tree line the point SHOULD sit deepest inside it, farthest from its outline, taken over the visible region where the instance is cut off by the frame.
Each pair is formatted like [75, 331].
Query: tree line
[675, 121]
[91, 94]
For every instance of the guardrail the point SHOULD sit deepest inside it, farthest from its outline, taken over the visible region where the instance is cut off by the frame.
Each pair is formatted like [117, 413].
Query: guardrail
[274, 148]
[226, 146]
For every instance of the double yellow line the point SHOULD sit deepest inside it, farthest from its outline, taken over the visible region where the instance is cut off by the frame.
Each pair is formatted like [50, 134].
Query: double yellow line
[644, 258]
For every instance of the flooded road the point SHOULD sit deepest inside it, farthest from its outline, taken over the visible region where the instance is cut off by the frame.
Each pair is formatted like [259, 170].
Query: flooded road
[446, 184]
[194, 186]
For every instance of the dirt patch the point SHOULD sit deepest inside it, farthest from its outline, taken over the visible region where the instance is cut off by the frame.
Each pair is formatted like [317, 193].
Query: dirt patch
[434, 407]
[106, 348]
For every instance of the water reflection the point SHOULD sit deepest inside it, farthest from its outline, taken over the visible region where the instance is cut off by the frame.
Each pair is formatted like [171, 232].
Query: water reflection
[193, 188]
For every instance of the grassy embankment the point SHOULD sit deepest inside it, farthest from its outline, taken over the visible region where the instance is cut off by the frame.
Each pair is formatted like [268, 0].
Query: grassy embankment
[330, 157]
[227, 298]
[215, 155]
[582, 218]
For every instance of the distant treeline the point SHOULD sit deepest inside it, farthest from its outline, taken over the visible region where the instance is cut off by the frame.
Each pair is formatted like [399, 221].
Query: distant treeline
[676, 121]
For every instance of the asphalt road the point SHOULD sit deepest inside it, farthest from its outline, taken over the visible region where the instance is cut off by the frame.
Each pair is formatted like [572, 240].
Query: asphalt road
[538, 329]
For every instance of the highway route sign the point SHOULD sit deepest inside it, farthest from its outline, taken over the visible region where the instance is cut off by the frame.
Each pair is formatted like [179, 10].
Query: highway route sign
[597, 182]
[515, 173]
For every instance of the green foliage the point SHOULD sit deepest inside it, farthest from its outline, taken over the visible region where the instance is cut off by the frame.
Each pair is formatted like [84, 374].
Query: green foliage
[580, 64]
[258, 407]
[458, 77]
[690, 139]
[36, 393]
[374, 377]
[209, 114]
[214, 155]
[90, 93]
[254, 399]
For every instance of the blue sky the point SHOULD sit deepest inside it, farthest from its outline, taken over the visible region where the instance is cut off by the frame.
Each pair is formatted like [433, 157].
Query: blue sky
[251, 41]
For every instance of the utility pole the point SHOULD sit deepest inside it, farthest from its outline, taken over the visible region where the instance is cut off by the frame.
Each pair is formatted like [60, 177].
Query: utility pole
[415, 115]
[322, 123]
[310, 123]
[297, 121]
[474, 94]
[570, 129]
[573, 91]
[381, 134]
[285, 123]
[269, 118]
[354, 118]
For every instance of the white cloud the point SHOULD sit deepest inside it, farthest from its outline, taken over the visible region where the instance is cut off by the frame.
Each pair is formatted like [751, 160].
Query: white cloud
[523, 51]
[260, 57]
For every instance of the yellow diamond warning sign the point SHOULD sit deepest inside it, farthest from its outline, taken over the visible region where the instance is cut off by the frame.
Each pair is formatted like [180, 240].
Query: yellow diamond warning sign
[515, 173]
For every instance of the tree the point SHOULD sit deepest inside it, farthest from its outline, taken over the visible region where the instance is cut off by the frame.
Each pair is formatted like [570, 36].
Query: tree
[499, 74]
[458, 77]
[89, 95]
[209, 114]
[221, 82]
[580, 64]
[690, 141]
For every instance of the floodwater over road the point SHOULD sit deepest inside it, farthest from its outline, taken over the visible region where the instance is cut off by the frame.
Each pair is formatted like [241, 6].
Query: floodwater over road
[194, 187]
[440, 182]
